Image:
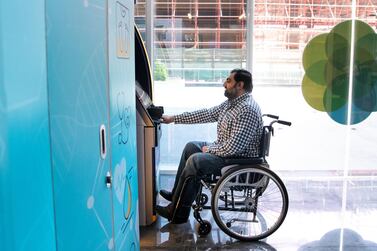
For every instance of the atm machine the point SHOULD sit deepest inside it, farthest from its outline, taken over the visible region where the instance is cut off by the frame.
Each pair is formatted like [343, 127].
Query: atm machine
[148, 135]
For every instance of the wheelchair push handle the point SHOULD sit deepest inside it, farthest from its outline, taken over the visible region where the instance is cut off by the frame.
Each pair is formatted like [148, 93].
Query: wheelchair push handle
[271, 116]
[283, 122]
[276, 120]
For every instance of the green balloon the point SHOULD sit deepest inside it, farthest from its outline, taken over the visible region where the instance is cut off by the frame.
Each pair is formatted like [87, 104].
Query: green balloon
[314, 51]
[313, 93]
[343, 29]
[366, 48]
[338, 51]
[336, 94]
[317, 72]
[364, 93]
[331, 73]
[362, 29]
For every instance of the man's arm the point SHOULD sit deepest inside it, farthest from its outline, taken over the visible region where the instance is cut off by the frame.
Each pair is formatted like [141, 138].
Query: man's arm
[242, 132]
[199, 116]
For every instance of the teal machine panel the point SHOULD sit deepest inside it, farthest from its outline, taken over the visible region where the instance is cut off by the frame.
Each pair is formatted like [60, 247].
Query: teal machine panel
[26, 200]
[78, 100]
[123, 123]
[93, 126]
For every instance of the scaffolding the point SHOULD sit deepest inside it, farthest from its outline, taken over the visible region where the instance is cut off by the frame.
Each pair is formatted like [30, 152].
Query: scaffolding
[222, 23]
[202, 39]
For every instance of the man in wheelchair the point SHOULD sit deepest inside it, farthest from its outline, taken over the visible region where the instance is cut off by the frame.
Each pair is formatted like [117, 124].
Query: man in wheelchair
[239, 130]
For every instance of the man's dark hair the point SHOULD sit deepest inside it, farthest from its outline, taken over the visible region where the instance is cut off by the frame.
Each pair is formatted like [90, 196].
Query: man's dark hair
[244, 76]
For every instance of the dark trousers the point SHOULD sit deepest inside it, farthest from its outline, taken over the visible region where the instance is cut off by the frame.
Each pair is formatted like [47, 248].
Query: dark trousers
[193, 165]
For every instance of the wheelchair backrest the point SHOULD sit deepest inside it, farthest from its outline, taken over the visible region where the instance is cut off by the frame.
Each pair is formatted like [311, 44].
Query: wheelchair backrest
[264, 147]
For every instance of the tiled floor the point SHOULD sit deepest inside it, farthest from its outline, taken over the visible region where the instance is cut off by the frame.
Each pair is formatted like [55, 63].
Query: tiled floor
[325, 214]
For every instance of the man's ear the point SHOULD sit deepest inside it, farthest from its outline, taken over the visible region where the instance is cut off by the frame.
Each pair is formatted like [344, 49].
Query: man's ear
[240, 85]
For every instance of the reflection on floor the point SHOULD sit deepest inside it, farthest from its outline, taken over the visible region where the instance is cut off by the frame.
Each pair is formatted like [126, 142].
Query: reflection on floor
[326, 214]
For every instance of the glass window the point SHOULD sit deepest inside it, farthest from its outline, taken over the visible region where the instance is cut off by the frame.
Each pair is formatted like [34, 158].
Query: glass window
[199, 42]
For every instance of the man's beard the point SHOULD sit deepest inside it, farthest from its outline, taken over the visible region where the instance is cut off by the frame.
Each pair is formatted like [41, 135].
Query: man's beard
[230, 94]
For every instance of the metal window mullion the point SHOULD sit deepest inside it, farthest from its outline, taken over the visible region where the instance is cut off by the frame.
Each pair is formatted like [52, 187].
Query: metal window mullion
[149, 30]
[249, 35]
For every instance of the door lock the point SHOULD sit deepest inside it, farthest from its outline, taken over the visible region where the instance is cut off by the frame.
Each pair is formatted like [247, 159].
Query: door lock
[108, 180]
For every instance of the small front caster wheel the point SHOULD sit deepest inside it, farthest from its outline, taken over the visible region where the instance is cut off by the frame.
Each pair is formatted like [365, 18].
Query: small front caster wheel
[204, 229]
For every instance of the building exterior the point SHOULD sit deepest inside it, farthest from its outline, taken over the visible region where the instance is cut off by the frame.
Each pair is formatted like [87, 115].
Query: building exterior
[201, 40]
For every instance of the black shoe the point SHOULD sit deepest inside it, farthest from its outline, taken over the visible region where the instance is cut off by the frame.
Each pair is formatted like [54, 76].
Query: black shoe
[167, 213]
[166, 195]
[164, 212]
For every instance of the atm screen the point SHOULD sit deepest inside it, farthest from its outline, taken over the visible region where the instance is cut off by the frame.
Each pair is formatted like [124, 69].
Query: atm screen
[143, 96]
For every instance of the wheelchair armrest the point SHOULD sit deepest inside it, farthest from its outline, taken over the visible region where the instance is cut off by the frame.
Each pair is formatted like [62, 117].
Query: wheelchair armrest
[244, 161]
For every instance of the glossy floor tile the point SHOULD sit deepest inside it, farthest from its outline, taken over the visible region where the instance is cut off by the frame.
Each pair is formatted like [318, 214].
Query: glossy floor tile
[325, 214]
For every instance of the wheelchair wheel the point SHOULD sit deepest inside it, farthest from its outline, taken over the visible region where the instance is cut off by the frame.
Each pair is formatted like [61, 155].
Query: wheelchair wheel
[203, 198]
[203, 229]
[249, 203]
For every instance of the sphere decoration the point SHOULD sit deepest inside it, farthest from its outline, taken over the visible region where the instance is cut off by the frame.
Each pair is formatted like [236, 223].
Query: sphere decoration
[326, 61]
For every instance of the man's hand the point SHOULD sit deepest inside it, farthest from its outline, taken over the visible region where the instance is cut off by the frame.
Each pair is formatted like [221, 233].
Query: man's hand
[167, 119]
[205, 149]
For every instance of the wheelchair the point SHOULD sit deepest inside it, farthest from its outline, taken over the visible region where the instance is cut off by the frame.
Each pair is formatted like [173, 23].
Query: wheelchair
[248, 201]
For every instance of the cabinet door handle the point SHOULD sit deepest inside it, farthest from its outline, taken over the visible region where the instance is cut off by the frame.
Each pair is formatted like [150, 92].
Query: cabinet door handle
[102, 140]
[108, 180]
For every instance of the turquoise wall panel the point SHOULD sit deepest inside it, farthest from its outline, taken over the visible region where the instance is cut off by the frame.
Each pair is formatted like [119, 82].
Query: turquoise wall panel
[78, 96]
[26, 205]
[123, 123]
[90, 63]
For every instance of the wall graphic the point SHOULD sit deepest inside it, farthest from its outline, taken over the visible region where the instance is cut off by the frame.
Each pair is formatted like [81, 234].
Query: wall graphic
[121, 63]
[124, 118]
[326, 61]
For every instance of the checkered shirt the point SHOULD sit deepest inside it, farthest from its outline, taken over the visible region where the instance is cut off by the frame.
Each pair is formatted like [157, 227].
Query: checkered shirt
[239, 126]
